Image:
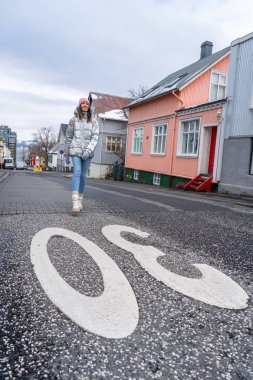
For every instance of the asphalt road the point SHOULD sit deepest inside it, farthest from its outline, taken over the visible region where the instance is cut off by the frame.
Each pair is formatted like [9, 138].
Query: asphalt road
[146, 283]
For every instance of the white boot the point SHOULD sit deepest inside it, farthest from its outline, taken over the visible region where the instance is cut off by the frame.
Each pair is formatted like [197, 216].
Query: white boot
[75, 202]
[80, 197]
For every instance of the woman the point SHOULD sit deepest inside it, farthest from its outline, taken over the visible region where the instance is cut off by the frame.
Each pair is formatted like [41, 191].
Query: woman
[80, 142]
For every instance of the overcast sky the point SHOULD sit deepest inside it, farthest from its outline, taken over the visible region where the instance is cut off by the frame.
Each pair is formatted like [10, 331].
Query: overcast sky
[52, 52]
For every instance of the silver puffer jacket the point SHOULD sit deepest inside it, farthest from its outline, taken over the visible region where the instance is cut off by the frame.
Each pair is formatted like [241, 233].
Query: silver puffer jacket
[81, 136]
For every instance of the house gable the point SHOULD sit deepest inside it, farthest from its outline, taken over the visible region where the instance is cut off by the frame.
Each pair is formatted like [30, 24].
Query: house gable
[197, 92]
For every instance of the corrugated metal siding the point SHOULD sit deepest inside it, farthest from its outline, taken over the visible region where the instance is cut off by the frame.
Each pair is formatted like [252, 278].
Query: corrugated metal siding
[115, 127]
[109, 128]
[239, 118]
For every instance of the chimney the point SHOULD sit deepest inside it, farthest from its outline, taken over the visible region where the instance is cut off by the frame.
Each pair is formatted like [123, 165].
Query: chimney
[206, 49]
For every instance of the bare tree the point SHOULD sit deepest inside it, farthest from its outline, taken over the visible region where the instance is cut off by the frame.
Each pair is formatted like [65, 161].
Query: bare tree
[135, 93]
[45, 139]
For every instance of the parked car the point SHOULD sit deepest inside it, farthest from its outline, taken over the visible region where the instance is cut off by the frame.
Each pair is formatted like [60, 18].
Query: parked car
[20, 165]
[8, 163]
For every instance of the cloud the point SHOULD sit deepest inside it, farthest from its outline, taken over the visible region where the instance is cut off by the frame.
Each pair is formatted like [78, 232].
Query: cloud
[53, 52]
[26, 114]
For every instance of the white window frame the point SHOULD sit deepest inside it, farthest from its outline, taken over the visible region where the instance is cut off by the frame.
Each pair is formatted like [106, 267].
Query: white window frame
[180, 138]
[111, 137]
[136, 175]
[133, 140]
[220, 73]
[156, 179]
[163, 136]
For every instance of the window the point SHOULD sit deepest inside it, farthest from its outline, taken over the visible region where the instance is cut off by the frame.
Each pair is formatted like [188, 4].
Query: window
[156, 179]
[113, 144]
[159, 139]
[136, 175]
[218, 86]
[137, 140]
[189, 137]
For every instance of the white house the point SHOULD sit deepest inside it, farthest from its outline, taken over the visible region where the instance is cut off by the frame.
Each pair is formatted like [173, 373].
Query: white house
[52, 157]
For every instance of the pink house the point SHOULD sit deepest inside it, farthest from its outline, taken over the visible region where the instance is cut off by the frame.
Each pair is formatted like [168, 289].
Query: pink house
[174, 128]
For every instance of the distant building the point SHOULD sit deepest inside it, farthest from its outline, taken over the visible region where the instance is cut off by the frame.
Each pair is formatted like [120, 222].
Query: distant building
[61, 161]
[56, 159]
[12, 141]
[4, 130]
[9, 138]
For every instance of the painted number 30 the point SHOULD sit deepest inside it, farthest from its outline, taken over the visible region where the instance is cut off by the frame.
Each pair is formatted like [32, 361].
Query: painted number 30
[115, 313]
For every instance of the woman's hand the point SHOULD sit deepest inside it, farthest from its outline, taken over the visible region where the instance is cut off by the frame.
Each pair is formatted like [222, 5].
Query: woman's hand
[86, 154]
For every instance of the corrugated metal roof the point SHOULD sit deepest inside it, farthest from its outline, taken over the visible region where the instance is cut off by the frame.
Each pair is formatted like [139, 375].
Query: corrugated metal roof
[106, 102]
[180, 78]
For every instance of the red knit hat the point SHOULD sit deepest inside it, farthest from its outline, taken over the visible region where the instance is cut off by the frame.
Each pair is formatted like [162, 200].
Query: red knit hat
[84, 100]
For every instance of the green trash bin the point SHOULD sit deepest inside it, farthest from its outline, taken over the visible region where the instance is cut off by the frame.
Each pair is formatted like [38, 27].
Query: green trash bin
[115, 171]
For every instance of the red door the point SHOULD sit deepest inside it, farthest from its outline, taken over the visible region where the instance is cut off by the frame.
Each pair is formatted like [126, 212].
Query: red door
[212, 150]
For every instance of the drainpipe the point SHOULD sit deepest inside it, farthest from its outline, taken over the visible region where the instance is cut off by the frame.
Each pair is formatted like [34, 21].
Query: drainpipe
[173, 93]
[173, 131]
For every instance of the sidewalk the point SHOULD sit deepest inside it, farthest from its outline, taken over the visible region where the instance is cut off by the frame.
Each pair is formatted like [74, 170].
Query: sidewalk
[125, 184]
[171, 190]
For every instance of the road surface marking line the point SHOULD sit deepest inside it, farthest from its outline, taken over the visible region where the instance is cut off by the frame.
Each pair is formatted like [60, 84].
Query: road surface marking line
[113, 314]
[158, 204]
[192, 197]
[214, 287]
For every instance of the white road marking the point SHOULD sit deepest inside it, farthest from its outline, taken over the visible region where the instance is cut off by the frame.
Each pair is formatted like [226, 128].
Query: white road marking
[113, 314]
[214, 287]
[153, 203]
[192, 197]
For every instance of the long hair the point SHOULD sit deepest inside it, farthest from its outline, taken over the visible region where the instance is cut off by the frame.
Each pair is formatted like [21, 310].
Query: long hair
[80, 113]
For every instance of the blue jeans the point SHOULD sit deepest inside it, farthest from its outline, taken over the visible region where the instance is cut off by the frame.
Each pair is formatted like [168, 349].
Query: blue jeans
[80, 171]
